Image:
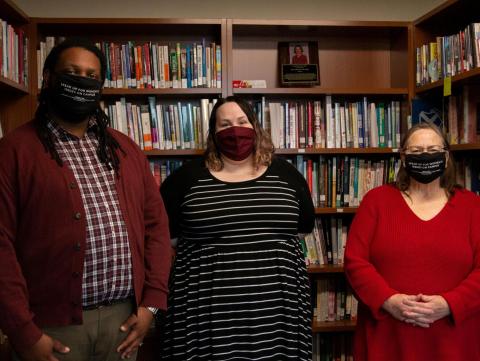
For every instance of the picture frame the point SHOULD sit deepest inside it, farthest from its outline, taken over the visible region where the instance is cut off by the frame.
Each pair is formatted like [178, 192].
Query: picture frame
[298, 63]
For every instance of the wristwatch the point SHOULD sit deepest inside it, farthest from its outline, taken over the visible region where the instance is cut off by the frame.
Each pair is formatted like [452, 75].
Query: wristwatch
[153, 310]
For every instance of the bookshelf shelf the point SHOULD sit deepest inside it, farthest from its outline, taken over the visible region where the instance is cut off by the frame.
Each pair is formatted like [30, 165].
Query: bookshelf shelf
[448, 15]
[471, 76]
[333, 326]
[11, 12]
[194, 92]
[355, 57]
[464, 147]
[327, 268]
[173, 152]
[331, 210]
[441, 33]
[302, 151]
[9, 85]
[338, 151]
[128, 21]
[320, 91]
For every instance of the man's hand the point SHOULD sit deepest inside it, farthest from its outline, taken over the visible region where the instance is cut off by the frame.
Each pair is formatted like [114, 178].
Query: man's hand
[137, 327]
[426, 309]
[43, 350]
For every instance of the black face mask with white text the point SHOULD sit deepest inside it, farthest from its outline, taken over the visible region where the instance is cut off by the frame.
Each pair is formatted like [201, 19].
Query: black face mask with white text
[425, 167]
[74, 98]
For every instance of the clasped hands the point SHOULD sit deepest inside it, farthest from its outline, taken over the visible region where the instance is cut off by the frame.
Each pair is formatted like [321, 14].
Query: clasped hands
[417, 310]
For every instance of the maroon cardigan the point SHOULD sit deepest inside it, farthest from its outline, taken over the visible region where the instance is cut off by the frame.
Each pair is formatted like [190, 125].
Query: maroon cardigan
[43, 231]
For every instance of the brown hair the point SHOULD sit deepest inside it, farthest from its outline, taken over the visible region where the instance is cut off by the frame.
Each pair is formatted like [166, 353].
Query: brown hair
[263, 147]
[447, 180]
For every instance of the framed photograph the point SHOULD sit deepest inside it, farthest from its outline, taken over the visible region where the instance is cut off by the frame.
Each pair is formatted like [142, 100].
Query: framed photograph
[298, 63]
[298, 53]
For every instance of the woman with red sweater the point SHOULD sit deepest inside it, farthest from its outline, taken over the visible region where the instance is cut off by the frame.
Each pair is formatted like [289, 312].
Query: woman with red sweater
[413, 260]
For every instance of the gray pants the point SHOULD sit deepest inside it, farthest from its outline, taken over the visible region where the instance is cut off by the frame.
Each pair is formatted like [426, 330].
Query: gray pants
[97, 338]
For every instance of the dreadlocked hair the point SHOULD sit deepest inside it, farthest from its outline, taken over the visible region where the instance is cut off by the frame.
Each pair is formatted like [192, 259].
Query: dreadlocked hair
[107, 144]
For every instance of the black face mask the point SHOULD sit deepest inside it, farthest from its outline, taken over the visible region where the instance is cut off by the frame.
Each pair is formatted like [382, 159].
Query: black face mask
[74, 98]
[425, 167]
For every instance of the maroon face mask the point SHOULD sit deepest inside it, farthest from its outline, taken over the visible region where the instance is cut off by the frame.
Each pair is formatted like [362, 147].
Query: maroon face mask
[236, 143]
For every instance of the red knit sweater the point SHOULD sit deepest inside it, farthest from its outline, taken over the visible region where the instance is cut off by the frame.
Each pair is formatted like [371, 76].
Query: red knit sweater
[390, 250]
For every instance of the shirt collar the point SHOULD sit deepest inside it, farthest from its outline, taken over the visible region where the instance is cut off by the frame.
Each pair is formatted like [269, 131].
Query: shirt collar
[62, 135]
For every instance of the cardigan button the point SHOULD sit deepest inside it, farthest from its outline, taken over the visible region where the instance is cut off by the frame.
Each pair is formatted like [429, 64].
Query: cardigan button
[75, 274]
[77, 216]
[72, 185]
[77, 246]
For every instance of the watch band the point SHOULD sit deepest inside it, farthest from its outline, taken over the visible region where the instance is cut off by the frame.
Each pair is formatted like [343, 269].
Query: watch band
[153, 310]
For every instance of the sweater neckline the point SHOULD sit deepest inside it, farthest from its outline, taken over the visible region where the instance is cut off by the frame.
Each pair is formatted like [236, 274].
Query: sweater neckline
[410, 210]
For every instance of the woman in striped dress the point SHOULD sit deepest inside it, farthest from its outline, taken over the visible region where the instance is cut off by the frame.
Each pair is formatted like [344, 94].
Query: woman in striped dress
[239, 288]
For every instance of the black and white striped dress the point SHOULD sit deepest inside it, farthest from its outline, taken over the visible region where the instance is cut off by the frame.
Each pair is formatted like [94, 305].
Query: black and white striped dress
[239, 288]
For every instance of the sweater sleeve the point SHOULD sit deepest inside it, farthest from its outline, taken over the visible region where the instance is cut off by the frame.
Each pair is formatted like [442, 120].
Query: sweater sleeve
[16, 319]
[296, 180]
[370, 287]
[173, 189]
[464, 300]
[157, 256]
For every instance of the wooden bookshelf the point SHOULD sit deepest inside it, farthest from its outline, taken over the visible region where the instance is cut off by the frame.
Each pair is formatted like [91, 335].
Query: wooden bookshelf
[331, 210]
[15, 103]
[320, 91]
[191, 92]
[449, 15]
[328, 268]
[464, 147]
[471, 76]
[334, 151]
[174, 152]
[9, 85]
[295, 151]
[356, 57]
[450, 18]
[143, 30]
[10, 12]
[15, 108]
[334, 326]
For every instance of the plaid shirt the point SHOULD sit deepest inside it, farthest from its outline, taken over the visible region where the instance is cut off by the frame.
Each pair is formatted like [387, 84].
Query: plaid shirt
[107, 272]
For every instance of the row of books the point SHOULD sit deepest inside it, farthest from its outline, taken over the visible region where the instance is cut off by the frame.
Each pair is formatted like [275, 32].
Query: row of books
[162, 168]
[183, 125]
[152, 65]
[448, 55]
[468, 173]
[464, 116]
[333, 124]
[13, 53]
[180, 125]
[333, 301]
[326, 244]
[332, 347]
[342, 181]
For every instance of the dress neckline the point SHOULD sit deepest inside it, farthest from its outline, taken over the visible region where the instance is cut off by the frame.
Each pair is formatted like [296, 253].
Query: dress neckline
[264, 174]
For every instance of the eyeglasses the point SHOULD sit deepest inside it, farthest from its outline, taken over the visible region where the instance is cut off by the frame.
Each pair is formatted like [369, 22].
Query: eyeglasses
[430, 149]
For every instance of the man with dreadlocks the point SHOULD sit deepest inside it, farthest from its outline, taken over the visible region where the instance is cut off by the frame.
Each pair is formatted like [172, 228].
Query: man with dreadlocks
[84, 242]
